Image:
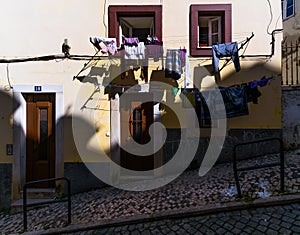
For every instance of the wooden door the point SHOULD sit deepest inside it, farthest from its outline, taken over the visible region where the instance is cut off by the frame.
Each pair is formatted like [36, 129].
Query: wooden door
[40, 137]
[139, 122]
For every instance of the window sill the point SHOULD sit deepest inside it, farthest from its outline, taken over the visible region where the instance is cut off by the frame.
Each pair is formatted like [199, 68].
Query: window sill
[201, 51]
[289, 17]
[204, 47]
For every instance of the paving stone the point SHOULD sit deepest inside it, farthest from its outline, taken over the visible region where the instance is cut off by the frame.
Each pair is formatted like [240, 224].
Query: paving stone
[264, 222]
[295, 229]
[262, 228]
[252, 224]
[286, 219]
[221, 231]
[285, 225]
[275, 221]
[275, 226]
[270, 232]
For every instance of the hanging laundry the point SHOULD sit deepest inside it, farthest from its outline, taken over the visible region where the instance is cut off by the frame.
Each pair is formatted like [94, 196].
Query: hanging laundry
[182, 56]
[252, 89]
[192, 98]
[252, 94]
[201, 108]
[225, 50]
[213, 104]
[154, 48]
[131, 41]
[262, 82]
[173, 64]
[187, 71]
[135, 52]
[235, 100]
[105, 45]
[154, 51]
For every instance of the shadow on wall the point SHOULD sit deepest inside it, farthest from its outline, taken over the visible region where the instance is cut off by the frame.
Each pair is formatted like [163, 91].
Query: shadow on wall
[7, 107]
[78, 153]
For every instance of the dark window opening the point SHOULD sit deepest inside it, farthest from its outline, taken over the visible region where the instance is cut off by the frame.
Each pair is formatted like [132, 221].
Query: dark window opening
[137, 26]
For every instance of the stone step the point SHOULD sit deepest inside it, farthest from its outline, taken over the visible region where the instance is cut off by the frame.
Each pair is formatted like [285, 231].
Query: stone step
[40, 193]
[17, 206]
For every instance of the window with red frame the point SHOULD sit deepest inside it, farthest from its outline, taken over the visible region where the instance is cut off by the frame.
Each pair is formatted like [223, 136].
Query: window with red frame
[209, 24]
[135, 21]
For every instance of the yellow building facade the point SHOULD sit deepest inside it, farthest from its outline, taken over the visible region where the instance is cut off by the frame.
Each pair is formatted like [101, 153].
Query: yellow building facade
[60, 110]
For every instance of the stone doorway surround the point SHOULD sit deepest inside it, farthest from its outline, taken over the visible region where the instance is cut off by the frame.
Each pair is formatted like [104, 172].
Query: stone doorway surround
[19, 134]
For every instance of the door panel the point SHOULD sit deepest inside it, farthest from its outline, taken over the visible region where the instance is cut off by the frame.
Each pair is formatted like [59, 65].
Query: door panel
[40, 142]
[139, 122]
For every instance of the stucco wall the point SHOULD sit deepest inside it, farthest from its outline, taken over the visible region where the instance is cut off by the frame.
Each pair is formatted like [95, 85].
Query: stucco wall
[290, 117]
[234, 137]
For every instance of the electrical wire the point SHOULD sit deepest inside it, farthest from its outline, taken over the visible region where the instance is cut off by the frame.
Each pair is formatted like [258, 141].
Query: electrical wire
[271, 13]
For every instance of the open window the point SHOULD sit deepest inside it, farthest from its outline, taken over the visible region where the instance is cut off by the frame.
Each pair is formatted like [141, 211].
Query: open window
[210, 30]
[139, 27]
[135, 21]
[209, 24]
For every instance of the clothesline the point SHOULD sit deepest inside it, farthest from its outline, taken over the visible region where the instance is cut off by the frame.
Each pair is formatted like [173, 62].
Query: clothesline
[108, 47]
[262, 82]
[243, 43]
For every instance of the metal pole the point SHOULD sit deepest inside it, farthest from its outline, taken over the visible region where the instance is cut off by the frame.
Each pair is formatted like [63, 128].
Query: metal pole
[281, 166]
[292, 64]
[235, 173]
[25, 207]
[69, 201]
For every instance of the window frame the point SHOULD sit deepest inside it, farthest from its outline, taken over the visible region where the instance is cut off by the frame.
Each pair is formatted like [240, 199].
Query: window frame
[209, 9]
[210, 32]
[116, 11]
[284, 9]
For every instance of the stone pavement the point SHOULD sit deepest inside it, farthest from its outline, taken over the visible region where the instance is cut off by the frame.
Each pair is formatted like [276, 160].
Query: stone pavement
[188, 193]
[266, 220]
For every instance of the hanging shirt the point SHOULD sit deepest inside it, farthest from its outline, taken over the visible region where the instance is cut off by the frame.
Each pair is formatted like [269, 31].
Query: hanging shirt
[187, 71]
[105, 45]
[225, 50]
[131, 41]
[135, 52]
[264, 81]
[235, 101]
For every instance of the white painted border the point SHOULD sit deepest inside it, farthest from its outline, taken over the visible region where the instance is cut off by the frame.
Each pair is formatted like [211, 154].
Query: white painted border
[19, 162]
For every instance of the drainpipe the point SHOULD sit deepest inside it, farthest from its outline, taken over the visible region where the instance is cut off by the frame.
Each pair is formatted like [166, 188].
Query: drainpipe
[273, 41]
[272, 46]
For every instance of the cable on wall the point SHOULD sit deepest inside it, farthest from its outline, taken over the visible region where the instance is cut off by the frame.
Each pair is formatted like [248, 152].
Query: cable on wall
[7, 75]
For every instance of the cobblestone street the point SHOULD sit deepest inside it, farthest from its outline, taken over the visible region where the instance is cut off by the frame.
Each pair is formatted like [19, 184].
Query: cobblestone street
[269, 220]
[189, 191]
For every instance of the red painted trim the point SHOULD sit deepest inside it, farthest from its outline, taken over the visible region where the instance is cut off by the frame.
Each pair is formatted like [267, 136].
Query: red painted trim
[115, 11]
[212, 8]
